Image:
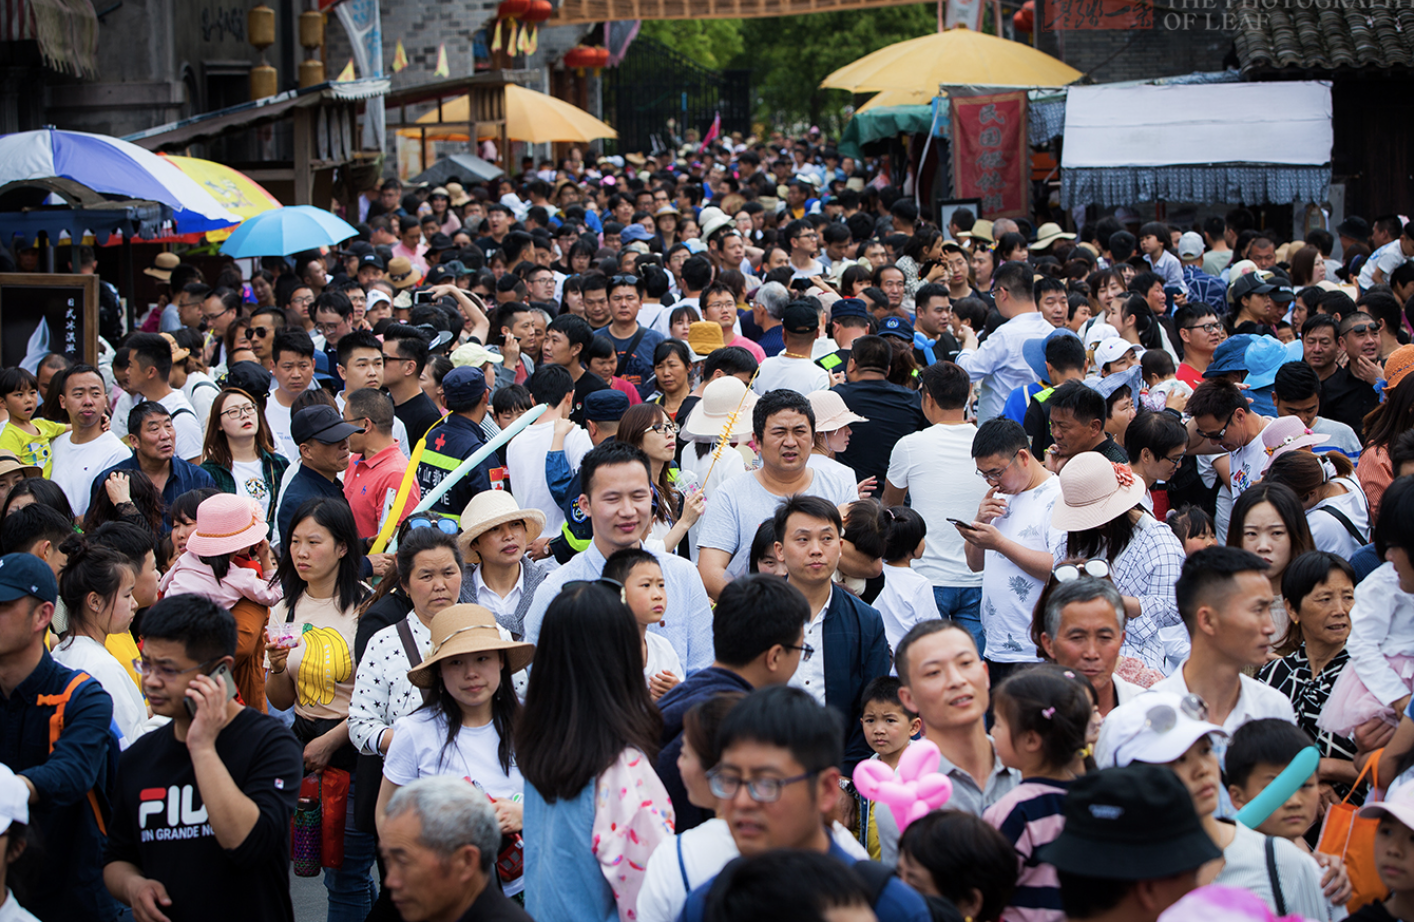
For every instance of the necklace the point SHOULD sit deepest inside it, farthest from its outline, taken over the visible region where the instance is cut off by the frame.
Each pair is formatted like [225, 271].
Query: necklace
[794, 355]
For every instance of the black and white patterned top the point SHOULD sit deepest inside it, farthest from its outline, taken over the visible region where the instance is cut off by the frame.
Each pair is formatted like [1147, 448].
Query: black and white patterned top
[1291, 675]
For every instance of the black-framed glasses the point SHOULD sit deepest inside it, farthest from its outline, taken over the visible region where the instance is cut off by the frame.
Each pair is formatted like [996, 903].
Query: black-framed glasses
[424, 520]
[210, 317]
[669, 428]
[1175, 460]
[762, 790]
[1210, 327]
[995, 476]
[1217, 436]
[624, 280]
[240, 412]
[806, 651]
[1094, 567]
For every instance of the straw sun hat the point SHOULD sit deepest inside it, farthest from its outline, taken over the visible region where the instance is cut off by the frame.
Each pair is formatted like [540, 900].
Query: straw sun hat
[491, 508]
[459, 630]
[830, 411]
[1094, 490]
[227, 524]
[720, 399]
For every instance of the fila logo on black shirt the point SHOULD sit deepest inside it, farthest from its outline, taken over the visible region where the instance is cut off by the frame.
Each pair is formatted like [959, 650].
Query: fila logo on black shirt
[174, 805]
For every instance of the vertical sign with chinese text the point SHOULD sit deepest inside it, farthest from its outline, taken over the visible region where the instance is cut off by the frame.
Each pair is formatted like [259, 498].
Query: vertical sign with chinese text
[990, 158]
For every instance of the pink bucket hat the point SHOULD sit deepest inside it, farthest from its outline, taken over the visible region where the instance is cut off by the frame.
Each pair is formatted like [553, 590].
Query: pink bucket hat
[1288, 434]
[227, 524]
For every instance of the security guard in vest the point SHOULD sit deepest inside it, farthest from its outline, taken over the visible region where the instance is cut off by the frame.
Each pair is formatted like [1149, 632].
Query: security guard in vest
[455, 438]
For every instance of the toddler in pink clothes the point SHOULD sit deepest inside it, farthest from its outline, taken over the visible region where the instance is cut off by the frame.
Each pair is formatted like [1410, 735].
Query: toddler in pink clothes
[226, 556]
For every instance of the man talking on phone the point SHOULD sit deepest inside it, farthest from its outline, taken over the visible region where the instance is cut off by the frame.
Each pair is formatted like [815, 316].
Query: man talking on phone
[201, 817]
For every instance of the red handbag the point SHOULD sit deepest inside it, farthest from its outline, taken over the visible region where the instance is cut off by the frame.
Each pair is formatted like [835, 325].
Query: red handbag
[334, 806]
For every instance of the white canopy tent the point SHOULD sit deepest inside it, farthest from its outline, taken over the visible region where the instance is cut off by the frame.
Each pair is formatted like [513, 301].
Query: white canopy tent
[1231, 142]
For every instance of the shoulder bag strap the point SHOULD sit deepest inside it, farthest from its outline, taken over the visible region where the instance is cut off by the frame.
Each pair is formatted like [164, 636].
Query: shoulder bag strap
[1274, 877]
[682, 868]
[627, 353]
[1344, 519]
[413, 654]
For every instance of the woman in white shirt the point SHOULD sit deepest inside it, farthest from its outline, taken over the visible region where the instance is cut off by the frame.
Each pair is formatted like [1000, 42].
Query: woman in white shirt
[832, 432]
[1337, 511]
[496, 535]
[464, 730]
[96, 587]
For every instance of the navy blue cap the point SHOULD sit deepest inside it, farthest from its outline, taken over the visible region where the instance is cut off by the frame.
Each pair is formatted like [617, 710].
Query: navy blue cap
[26, 574]
[1230, 356]
[848, 307]
[321, 423]
[896, 326]
[321, 367]
[606, 406]
[463, 388]
[250, 377]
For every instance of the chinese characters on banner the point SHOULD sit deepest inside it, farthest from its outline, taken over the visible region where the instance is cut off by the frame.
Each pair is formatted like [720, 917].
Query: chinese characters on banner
[71, 339]
[990, 159]
[1096, 14]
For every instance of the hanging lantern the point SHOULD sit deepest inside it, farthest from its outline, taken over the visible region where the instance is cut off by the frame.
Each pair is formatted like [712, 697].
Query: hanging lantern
[260, 26]
[582, 57]
[540, 10]
[262, 81]
[311, 29]
[512, 9]
[1024, 19]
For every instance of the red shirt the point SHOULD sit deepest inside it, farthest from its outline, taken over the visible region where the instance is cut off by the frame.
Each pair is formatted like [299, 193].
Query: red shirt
[371, 484]
[1189, 375]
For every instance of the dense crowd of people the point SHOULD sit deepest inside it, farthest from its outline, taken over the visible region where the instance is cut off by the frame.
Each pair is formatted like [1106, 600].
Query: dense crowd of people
[1120, 521]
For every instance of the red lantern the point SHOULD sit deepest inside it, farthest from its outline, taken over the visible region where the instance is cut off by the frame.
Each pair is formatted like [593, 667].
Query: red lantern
[601, 57]
[1024, 19]
[580, 57]
[540, 10]
[512, 9]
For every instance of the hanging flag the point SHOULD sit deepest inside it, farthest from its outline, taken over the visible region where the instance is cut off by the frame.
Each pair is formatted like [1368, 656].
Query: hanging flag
[990, 154]
[496, 39]
[443, 69]
[511, 39]
[533, 43]
[347, 73]
[712, 132]
[400, 56]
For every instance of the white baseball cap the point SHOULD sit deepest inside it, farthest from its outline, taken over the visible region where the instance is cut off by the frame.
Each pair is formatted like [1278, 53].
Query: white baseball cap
[1098, 333]
[1190, 245]
[1112, 349]
[1156, 727]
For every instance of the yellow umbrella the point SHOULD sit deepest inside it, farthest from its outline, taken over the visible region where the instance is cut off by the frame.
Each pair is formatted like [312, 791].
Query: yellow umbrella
[237, 192]
[900, 98]
[957, 57]
[530, 116]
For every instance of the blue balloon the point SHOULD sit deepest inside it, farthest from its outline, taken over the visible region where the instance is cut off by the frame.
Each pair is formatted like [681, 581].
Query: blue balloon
[1257, 810]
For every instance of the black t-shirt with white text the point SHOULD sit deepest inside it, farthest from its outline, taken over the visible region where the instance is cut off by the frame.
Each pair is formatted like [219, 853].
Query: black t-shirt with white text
[160, 823]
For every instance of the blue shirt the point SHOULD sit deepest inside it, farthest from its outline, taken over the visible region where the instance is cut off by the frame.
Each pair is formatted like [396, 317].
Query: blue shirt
[1209, 289]
[306, 484]
[772, 342]
[637, 368]
[898, 902]
[563, 882]
[185, 476]
[1019, 399]
[687, 620]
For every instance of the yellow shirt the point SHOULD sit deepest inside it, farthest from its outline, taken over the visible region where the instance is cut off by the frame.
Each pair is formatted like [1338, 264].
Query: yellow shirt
[125, 650]
[32, 450]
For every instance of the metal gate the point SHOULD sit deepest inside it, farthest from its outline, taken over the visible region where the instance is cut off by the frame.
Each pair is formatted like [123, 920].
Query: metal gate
[655, 83]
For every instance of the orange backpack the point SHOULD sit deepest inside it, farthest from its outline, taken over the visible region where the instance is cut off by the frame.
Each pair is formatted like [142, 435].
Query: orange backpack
[56, 727]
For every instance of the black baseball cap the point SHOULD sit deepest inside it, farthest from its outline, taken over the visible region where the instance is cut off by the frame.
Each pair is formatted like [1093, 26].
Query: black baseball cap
[800, 317]
[320, 424]
[250, 377]
[1355, 227]
[1130, 823]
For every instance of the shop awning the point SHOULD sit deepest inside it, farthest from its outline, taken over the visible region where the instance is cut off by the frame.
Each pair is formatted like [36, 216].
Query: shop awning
[885, 122]
[66, 30]
[1236, 142]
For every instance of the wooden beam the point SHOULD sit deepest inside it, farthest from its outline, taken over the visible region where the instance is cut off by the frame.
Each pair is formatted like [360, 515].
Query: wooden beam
[573, 12]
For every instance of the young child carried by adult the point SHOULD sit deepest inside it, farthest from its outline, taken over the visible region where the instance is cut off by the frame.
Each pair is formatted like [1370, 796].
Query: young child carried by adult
[888, 729]
[227, 557]
[1161, 380]
[28, 438]
[641, 579]
[1042, 715]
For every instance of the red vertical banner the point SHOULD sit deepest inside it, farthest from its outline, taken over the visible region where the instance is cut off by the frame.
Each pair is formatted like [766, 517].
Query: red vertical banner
[989, 153]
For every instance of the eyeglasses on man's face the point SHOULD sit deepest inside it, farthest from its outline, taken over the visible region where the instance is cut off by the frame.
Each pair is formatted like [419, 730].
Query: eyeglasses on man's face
[725, 783]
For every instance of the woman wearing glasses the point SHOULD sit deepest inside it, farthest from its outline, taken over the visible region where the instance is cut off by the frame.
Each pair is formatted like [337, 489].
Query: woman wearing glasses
[588, 731]
[240, 455]
[318, 570]
[648, 427]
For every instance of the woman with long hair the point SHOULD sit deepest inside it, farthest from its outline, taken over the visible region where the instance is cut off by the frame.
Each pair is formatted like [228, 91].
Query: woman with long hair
[240, 455]
[1105, 286]
[1307, 267]
[648, 427]
[48, 493]
[318, 570]
[925, 246]
[588, 727]
[1384, 424]
[127, 496]
[1267, 519]
[1336, 509]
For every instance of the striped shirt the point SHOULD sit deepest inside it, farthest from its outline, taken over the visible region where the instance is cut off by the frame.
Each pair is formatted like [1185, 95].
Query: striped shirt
[1030, 816]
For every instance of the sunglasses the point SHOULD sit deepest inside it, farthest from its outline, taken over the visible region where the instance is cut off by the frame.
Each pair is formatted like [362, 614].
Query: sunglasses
[1362, 328]
[1095, 567]
[444, 525]
[260, 332]
[624, 280]
[1217, 436]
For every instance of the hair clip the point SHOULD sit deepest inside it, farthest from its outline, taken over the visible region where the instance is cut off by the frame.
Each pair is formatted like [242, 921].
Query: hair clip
[1048, 713]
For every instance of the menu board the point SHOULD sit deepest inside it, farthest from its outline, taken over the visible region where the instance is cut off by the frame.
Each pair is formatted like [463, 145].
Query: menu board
[42, 313]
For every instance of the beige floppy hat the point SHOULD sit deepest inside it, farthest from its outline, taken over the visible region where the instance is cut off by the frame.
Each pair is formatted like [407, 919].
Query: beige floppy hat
[720, 399]
[462, 629]
[831, 412]
[1095, 490]
[491, 508]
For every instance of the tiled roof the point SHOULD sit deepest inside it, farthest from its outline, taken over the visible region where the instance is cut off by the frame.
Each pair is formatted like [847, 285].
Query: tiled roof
[1349, 34]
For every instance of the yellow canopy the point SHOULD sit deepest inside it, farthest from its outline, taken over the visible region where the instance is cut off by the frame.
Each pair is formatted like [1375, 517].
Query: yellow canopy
[237, 192]
[900, 98]
[957, 57]
[530, 116]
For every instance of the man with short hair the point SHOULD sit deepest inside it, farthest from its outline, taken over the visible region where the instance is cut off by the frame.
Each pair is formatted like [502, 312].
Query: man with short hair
[377, 465]
[767, 310]
[913, 465]
[803, 242]
[999, 364]
[1263, 252]
[793, 369]
[602, 412]
[323, 439]
[633, 342]
[1052, 301]
[498, 224]
[784, 426]
[332, 313]
[149, 374]
[220, 309]
[70, 778]
[185, 309]
[1083, 629]
[1131, 847]
[1320, 344]
[514, 324]
[618, 498]
[360, 364]
[844, 633]
[890, 412]
[1200, 332]
[566, 338]
[1219, 251]
[717, 304]
[1078, 416]
[1222, 420]
[527, 452]
[404, 356]
[1226, 600]
[265, 324]
[1063, 359]
[1296, 391]
[456, 438]
[1388, 312]
[214, 842]
[758, 632]
[778, 783]
[293, 355]
[153, 441]
[440, 839]
[87, 447]
[933, 340]
[959, 281]
[1348, 394]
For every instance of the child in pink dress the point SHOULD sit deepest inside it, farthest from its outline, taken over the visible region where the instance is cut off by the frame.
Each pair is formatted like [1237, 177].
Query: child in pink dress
[218, 562]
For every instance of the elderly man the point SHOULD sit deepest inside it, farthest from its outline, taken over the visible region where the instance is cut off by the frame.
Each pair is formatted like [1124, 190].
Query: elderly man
[1083, 629]
[439, 838]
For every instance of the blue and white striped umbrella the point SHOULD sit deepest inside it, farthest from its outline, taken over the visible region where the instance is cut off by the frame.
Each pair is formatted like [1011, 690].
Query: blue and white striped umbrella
[112, 167]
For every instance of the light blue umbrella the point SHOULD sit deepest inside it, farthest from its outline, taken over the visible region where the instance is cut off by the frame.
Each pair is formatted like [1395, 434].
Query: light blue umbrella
[287, 230]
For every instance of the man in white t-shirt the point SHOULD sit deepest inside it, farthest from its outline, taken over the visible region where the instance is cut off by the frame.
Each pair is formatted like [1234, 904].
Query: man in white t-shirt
[293, 354]
[1009, 541]
[916, 460]
[793, 369]
[525, 455]
[86, 449]
[150, 357]
[998, 365]
[1223, 421]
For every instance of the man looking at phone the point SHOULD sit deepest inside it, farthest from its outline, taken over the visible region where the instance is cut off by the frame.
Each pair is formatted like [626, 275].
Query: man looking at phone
[201, 817]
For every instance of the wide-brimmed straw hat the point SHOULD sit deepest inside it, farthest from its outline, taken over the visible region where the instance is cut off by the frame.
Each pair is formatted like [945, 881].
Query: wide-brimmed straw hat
[1286, 434]
[703, 338]
[226, 524]
[981, 230]
[1095, 490]
[831, 413]
[459, 630]
[457, 193]
[402, 273]
[162, 266]
[491, 508]
[1398, 365]
[720, 399]
[1048, 234]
